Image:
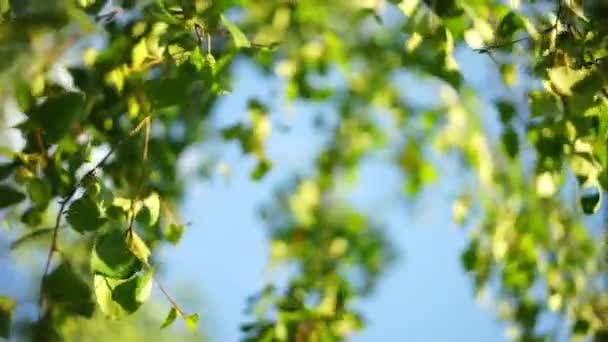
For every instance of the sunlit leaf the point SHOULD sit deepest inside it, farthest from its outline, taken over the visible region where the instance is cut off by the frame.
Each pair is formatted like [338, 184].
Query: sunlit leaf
[173, 232]
[191, 321]
[148, 214]
[118, 298]
[137, 246]
[238, 37]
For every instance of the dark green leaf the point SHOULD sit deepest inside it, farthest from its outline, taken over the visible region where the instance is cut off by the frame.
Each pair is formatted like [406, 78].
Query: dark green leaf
[9, 196]
[84, 215]
[590, 199]
[261, 169]
[58, 115]
[6, 170]
[65, 289]
[111, 256]
[509, 24]
[510, 141]
[168, 92]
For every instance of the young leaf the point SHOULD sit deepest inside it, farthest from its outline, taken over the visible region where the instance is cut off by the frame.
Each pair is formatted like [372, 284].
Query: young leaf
[112, 257]
[137, 246]
[171, 316]
[66, 290]
[173, 233]
[118, 298]
[9, 196]
[238, 37]
[84, 215]
[191, 321]
[7, 306]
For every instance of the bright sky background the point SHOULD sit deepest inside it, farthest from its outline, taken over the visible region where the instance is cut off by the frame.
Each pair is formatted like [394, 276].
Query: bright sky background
[425, 296]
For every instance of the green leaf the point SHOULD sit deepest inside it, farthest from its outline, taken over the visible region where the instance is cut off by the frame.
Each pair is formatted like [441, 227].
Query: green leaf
[171, 316]
[510, 141]
[174, 232]
[168, 91]
[564, 78]
[261, 169]
[590, 199]
[66, 290]
[6, 170]
[238, 37]
[148, 214]
[39, 191]
[119, 298]
[509, 24]
[191, 321]
[7, 306]
[84, 215]
[542, 103]
[137, 246]
[33, 235]
[111, 257]
[9, 196]
[58, 115]
[506, 111]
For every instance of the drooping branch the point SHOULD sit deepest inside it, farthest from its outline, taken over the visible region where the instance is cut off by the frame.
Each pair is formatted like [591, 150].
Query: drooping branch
[67, 198]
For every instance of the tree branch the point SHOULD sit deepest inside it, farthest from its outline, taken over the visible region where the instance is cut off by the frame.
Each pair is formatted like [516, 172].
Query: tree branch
[67, 198]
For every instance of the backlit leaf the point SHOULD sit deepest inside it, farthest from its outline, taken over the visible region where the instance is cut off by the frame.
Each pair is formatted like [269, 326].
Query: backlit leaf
[171, 316]
[118, 298]
[238, 37]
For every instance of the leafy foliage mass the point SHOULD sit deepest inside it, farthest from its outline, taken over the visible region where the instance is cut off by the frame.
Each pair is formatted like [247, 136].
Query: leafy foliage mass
[96, 178]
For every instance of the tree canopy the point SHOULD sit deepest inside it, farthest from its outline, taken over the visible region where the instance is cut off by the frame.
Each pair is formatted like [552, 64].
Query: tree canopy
[101, 99]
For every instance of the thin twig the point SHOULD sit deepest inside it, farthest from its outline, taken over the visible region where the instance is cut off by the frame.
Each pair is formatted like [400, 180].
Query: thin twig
[489, 48]
[166, 294]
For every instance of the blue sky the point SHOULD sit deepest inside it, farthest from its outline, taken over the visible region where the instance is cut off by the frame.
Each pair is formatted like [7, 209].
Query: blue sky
[425, 296]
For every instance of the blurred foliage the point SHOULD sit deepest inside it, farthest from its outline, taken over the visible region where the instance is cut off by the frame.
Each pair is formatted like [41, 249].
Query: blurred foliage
[97, 171]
